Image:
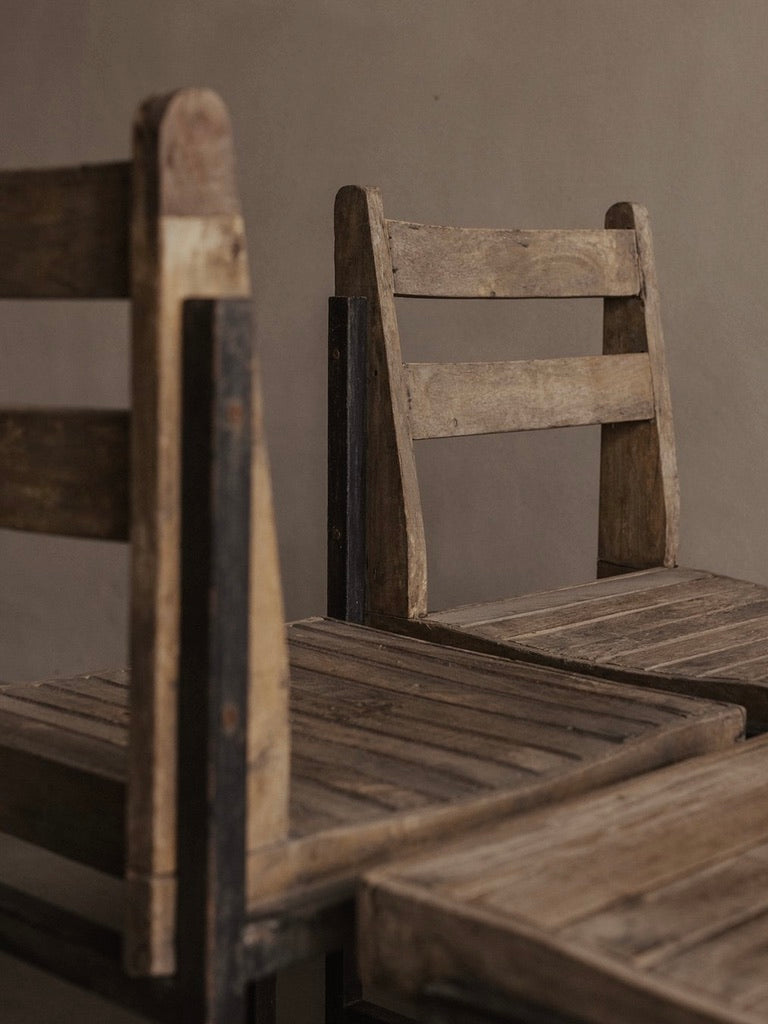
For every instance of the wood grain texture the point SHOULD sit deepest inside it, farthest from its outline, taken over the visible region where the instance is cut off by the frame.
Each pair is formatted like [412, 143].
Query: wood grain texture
[64, 232]
[491, 263]
[396, 557]
[639, 489]
[645, 901]
[65, 471]
[394, 741]
[455, 399]
[186, 240]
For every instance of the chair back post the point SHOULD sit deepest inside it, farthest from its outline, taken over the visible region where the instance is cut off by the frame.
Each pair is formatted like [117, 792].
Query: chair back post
[187, 239]
[213, 695]
[639, 489]
[395, 545]
[347, 364]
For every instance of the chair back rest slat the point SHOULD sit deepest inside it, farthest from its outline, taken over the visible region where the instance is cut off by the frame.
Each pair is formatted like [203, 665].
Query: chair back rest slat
[65, 471]
[450, 262]
[457, 399]
[64, 232]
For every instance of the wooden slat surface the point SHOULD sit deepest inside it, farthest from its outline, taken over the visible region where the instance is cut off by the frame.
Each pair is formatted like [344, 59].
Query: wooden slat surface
[392, 739]
[455, 399]
[65, 471]
[64, 232]
[647, 902]
[707, 632]
[491, 263]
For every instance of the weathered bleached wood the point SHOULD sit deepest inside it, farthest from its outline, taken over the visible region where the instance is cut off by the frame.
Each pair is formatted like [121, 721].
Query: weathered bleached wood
[186, 240]
[645, 901]
[639, 489]
[65, 471]
[490, 263]
[396, 558]
[64, 232]
[455, 399]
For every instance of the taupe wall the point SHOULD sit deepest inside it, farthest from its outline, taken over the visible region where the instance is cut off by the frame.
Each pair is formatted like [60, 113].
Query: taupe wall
[534, 113]
[528, 113]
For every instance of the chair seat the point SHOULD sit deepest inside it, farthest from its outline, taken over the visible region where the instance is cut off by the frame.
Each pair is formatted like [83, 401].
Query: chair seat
[645, 902]
[677, 629]
[393, 741]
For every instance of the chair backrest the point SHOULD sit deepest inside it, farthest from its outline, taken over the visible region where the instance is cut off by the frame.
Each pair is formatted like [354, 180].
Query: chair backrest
[626, 389]
[155, 230]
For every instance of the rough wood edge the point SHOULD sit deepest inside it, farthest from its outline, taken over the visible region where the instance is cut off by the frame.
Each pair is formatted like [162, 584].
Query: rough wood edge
[186, 238]
[395, 544]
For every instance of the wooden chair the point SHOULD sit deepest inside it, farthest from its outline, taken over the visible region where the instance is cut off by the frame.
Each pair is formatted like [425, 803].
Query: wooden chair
[644, 902]
[645, 620]
[239, 830]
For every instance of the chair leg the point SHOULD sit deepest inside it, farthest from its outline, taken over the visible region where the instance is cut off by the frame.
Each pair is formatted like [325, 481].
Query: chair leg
[262, 1003]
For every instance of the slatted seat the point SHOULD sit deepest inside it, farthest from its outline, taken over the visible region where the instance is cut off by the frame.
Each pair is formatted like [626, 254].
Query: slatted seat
[392, 740]
[644, 620]
[645, 902]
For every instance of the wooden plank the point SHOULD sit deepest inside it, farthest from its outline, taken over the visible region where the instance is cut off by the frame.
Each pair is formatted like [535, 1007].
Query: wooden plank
[214, 654]
[65, 471]
[335, 857]
[654, 907]
[396, 559]
[347, 366]
[487, 263]
[639, 489]
[64, 232]
[449, 674]
[187, 240]
[488, 611]
[456, 399]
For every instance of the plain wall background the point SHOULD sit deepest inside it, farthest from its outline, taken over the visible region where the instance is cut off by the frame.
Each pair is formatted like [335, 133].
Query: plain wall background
[529, 113]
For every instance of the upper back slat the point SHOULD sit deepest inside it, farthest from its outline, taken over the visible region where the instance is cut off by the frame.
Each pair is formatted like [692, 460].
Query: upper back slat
[64, 232]
[451, 262]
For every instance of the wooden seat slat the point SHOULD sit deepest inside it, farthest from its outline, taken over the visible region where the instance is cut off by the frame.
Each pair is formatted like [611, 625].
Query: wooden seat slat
[652, 892]
[393, 740]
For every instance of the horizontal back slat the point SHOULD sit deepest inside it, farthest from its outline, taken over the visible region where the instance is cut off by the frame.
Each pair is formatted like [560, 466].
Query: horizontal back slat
[454, 399]
[450, 262]
[64, 232]
[65, 471]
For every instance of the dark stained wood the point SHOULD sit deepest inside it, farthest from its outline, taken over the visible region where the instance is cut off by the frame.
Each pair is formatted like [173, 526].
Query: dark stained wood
[347, 365]
[65, 471]
[395, 554]
[64, 232]
[451, 262]
[214, 673]
[645, 901]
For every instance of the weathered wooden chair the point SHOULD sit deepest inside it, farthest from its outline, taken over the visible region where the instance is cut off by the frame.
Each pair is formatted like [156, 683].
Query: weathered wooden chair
[648, 621]
[647, 901]
[240, 831]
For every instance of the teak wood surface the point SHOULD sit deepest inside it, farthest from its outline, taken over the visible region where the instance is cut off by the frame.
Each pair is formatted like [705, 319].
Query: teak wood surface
[644, 902]
[661, 626]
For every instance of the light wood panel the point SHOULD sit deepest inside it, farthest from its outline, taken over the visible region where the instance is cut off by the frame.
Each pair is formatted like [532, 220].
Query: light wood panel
[455, 399]
[647, 901]
[64, 232]
[456, 262]
[65, 471]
